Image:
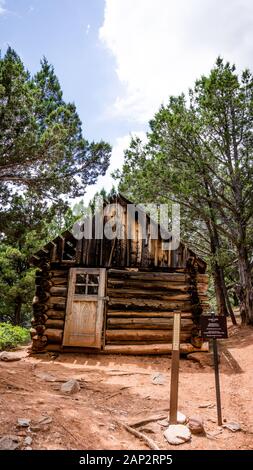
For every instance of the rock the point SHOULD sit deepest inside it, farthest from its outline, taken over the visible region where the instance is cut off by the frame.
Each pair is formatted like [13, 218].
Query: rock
[196, 425]
[158, 379]
[70, 387]
[177, 434]
[232, 426]
[28, 441]
[45, 420]
[181, 418]
[9, 443]
[35, 427]
[9, 356]
[164, 422]
[46, 377]
[24, 423]
[28, 448]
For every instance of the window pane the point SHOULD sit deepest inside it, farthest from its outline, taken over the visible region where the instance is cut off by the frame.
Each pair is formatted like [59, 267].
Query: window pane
[80, 290]
[93, 279]
[81, 278]
[92, 290]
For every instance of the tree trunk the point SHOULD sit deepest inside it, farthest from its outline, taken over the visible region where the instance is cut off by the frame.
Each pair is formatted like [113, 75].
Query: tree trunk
[17, 311]
[225, 291]
[246, 297]
[217, 271]
[219, 291]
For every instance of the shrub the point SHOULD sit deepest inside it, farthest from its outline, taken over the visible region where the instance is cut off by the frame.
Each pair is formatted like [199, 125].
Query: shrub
[11, 336]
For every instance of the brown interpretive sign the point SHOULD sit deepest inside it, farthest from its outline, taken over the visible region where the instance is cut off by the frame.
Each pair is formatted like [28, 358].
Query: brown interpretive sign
[213, 327]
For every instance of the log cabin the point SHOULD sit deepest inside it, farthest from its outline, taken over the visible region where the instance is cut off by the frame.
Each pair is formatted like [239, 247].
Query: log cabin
[117, 295]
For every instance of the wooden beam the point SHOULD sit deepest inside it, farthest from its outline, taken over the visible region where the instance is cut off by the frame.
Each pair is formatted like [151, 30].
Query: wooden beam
[146, 349]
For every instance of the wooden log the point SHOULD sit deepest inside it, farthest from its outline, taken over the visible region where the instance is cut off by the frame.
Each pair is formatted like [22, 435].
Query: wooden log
[53, 323]
[59, 281]
[56, 300]
[142, 335]
[57, 306]
[59, 273]
[156, 295]
[147, 323]
[58, 291]
[203, 278]
[148, 441]
[149, 304]
[56, 314]
[40, 329]
[144, 314]
[46, 284]
[42, 295]
[39, 318]
[148, 276]
[54, 335]
[154, 285]
[39, 342]
[151, 349]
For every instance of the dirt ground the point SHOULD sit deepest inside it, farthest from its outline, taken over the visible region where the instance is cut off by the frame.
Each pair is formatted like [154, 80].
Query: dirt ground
[119, 388]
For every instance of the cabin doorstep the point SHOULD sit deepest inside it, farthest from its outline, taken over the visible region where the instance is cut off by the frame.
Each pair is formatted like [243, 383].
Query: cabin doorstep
[117, 296]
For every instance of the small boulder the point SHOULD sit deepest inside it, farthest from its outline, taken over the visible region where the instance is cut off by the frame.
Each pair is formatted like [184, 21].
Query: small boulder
[28, 441]
[177, 434]
[196, 425]
[181, 418]
[35, 427]
[9, 443]
[8, 356]
[24, 423]
[70, 387]
[232, 426]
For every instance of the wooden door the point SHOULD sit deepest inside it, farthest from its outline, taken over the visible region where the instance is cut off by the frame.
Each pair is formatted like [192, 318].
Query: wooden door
[85, 308]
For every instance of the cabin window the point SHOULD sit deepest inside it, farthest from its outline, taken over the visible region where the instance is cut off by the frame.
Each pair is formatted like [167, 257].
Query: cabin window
[87, 284]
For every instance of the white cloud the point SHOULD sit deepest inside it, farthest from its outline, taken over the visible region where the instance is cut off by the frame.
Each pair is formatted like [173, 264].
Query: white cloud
[2, 9]
[116, 162]
[162, 46]
[87, 29]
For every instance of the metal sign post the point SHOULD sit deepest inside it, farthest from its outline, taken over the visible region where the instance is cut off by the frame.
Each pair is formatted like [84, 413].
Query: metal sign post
[217, 380]
[175, 368]
[215, 327]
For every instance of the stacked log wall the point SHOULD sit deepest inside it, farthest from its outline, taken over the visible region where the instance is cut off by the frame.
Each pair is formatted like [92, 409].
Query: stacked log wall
[141, 306]
[49, 306]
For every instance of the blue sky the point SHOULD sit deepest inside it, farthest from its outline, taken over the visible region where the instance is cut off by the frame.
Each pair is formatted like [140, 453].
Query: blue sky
[118, 60]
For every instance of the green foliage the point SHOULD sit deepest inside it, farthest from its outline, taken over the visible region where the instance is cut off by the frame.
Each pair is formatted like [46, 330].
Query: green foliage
[16, 285]
[199, 153]
[11, 336]
[41, 143]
